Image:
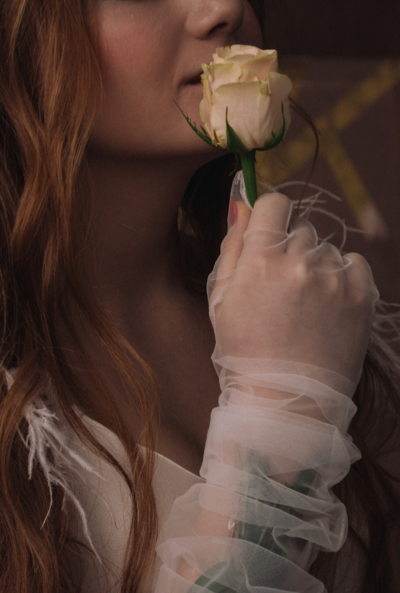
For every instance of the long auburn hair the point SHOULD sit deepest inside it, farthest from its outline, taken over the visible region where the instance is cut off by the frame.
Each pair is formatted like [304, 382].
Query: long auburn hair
[50, 88]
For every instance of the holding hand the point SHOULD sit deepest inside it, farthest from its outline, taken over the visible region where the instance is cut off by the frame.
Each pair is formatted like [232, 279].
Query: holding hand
[292, 319]
[283, 295]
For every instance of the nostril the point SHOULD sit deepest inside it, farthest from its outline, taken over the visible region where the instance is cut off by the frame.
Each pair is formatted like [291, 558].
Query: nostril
[217, 27]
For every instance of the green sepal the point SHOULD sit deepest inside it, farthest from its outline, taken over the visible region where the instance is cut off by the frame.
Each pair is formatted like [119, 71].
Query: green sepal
[276, 139]
[233, 141]
[203, 135]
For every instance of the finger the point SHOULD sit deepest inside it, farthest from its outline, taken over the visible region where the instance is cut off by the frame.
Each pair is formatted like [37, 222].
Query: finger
[327, 258]
[360, 276]
[231, 249]
[303, 237]
[359, 262]
[268, 225]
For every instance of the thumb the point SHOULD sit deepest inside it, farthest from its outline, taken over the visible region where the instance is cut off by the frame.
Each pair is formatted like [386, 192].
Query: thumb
[231, 249]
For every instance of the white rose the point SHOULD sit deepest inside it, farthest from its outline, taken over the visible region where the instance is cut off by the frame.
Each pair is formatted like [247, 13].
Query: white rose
[244, 79]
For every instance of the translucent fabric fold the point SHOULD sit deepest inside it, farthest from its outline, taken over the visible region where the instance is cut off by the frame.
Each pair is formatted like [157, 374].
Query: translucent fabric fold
[267, 507]
[277, 441]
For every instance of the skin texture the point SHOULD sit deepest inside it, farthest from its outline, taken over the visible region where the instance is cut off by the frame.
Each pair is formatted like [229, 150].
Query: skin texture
[141, 158]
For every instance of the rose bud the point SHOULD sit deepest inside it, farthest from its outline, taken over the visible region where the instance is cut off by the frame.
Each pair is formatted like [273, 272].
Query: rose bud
[242, 86]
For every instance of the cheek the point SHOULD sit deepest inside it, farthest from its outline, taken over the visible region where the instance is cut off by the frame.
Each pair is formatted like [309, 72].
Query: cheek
[126, 55]
[132, 77]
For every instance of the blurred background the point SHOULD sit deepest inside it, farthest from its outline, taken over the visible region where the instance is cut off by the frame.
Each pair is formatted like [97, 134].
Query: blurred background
[344, 60]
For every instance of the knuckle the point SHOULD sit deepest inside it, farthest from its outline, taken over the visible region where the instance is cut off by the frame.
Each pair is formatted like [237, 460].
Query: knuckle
[259, 260]
[362, 298]
[301, 280]
[301, 273]
[334, 284]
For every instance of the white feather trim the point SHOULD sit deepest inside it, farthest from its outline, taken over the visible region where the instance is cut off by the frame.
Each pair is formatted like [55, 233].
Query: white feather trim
[49, 449]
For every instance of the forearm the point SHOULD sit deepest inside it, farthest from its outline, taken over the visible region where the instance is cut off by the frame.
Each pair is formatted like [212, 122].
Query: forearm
[276, 444]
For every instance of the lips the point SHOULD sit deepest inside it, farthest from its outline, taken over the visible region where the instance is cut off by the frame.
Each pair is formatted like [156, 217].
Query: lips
[195, 79]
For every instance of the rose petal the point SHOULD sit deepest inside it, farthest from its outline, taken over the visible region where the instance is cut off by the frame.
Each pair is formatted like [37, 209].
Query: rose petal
[227, 52]
[224, 74]
[280, 87]
[259, 66]
[253, 112]
[245, 102]
[206, 107]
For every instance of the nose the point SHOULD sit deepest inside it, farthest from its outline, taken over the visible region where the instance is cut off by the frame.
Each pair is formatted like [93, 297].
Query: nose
[208, 16]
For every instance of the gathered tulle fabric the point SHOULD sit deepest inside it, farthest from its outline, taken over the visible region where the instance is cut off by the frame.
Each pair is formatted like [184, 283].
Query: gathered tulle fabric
[276, 445]
[269, 466]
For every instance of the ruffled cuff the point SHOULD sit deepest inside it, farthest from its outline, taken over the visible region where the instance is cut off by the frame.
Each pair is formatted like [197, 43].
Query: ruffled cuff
[276, 445]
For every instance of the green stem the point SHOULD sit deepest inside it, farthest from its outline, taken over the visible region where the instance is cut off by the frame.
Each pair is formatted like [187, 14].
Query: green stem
[248, 160]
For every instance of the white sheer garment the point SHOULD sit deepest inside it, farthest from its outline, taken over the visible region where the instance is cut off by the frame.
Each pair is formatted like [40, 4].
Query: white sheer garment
[266, 508]
[182, 497]
[107, 504]
[238, 496]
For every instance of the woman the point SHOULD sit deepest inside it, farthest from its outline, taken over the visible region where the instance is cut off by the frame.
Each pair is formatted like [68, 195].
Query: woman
[103, 296]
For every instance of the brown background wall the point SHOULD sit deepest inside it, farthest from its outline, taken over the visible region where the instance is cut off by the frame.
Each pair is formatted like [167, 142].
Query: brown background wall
[356, 28]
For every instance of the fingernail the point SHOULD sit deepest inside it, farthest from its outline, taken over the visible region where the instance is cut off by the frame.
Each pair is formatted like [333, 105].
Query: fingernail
[232, 213]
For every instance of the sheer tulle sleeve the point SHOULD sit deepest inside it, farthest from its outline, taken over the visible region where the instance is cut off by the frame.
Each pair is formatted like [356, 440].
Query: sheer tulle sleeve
[267, 507]
[276, 445]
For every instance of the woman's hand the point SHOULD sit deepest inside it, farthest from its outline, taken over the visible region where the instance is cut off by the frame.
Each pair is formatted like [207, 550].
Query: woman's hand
[282, 295]
[277, 441]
